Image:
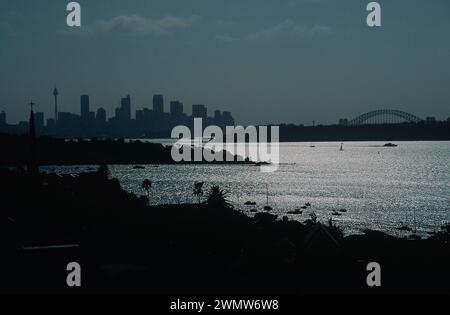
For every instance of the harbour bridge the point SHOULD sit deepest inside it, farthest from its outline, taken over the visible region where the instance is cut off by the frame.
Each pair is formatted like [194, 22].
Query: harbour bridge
[384, 116]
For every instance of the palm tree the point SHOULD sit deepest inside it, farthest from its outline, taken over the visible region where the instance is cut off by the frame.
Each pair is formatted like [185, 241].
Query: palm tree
[146, 185]
[198, 190]
[217, 198]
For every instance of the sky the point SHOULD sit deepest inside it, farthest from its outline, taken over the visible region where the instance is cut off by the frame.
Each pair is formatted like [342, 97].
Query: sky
[266, 61]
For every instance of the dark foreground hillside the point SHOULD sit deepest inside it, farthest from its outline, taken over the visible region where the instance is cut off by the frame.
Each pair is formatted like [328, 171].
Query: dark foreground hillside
[125, 246]
[54, 151]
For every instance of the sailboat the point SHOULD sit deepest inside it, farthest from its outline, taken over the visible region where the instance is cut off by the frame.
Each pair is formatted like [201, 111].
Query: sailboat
[267, 207]
[342, 147]
[414, 222]
[405, 227]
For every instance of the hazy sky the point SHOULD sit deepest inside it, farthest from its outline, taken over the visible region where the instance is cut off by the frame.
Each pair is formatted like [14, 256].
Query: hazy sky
[265, 61]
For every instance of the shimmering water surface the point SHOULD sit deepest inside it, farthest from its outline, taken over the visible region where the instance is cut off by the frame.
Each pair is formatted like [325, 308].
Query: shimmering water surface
[381, 188]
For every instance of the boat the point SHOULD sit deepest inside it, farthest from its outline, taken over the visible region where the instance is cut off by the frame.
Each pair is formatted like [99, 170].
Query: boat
[308, 204]
[296, 211]
[250, 203]
[304, 207]
[336, 213]
[267, 207]
[404, 228]
[138, 167]
[390, 145]
[343, 210]
[253, 210]
[342, 147]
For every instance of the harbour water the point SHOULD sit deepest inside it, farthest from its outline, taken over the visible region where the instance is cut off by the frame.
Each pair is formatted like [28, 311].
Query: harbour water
[381, 188]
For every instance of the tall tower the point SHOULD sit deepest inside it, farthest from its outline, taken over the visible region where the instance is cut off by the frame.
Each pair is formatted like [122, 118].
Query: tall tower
[84, 107]
[158, 104]
[33, 168]
[126, 107]
[55, 94]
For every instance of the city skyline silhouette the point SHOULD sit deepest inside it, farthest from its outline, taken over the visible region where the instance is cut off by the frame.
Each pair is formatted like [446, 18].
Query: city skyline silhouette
[192, 149]
[126, 121]
[267, 62]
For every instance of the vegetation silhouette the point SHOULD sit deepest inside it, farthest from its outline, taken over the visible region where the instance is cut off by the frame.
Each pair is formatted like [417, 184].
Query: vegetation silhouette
[147, 185]
[217, 199]
[198, 190]
[126, 246]
[53, 151]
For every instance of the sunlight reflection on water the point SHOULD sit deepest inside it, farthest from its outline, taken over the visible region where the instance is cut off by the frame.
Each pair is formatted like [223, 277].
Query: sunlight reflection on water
[381, 188]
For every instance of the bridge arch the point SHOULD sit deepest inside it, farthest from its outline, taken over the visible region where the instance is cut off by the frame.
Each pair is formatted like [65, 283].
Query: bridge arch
[384, 116]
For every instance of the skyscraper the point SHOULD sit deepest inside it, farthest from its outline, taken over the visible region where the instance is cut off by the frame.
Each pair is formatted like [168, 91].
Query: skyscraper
[39, 120]
[101, 116]
[218, 118]
[84, 107]
[126, 107]
[55, 94]
[199, 111]
[227, 119]
[176, 108]
[139, 115]
[158, 104]
[50, 124]
[2, 118]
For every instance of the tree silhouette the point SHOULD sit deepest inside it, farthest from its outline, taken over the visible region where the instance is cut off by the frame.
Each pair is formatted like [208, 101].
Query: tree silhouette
[146, 185]
[103, 171]
[313, 217]
[217, 198]
[198, 190]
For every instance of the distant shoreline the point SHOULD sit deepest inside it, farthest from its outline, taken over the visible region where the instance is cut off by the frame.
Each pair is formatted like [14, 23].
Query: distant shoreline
[53, 151]
[433, 131]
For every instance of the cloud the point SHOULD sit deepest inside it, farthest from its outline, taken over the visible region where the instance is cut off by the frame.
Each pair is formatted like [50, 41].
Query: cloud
[141, 26]
[315, 30]
[269, 33]
[289, 27]
[221, 22]
[227, 38]
[75, 31]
